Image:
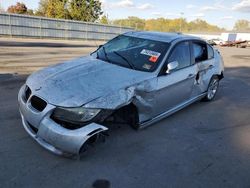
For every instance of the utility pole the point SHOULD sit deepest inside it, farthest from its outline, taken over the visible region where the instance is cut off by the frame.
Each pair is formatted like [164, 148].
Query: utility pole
[107, 18]
[64, 10]
[182, 13]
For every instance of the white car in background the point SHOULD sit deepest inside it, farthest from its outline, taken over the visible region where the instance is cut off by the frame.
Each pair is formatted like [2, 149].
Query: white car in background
[218, 41]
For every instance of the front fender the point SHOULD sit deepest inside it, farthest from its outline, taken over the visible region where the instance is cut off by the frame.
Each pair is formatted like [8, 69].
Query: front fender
[113, 101]
[141, 95]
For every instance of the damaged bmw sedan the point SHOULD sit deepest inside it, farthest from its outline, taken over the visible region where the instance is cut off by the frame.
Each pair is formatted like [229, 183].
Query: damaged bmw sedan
[137, 78]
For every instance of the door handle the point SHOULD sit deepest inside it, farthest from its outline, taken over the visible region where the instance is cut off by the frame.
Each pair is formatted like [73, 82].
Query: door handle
[190, 76]
[210, 66]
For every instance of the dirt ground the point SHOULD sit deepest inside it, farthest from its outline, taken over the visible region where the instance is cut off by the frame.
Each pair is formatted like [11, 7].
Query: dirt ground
[203, 145]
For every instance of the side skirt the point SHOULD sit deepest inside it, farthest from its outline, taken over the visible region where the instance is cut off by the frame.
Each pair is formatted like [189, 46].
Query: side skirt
[171, 111]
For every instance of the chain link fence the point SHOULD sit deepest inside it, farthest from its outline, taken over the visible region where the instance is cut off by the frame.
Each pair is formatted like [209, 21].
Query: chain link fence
[14, 25]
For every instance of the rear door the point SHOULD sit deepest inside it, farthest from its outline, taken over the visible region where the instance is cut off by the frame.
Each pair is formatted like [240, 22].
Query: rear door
[176, 87]
[203, 57]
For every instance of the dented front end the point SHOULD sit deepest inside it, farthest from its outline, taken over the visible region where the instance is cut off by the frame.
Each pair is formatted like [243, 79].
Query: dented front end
[51, 96]
[47, 132]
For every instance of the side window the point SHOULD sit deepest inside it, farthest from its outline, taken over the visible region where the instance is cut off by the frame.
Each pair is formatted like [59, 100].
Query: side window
[210, 52]
[181, 54]
[200, 52]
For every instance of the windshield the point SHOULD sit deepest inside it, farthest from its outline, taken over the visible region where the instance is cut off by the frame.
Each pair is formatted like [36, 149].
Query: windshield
[134, 53]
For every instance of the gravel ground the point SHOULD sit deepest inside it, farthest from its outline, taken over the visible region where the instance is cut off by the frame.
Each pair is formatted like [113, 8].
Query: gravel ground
[203, 145]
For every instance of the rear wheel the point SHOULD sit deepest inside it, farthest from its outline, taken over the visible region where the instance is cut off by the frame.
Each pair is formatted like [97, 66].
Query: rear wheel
[212, 88]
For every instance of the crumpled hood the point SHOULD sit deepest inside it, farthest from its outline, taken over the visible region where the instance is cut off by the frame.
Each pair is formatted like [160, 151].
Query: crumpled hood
[82, 80]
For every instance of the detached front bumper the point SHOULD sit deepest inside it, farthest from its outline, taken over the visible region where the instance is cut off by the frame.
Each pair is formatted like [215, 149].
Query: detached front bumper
[51, 135]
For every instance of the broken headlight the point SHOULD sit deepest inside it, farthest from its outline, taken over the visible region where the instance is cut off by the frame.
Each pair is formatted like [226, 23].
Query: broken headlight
[75, 115]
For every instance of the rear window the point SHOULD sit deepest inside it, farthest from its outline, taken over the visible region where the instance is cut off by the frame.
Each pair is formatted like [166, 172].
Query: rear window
[210, 52]
[200, 51]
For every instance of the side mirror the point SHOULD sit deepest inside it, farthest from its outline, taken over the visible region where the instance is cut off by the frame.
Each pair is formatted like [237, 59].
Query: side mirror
[171, 66]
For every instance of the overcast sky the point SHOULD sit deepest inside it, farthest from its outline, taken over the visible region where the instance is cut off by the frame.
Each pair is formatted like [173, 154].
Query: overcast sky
[223, 13]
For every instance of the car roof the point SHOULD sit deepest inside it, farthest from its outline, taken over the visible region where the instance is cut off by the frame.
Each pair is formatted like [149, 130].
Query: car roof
[160, 36]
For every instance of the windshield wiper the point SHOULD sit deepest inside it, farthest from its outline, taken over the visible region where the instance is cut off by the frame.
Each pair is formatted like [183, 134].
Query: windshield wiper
[125, 59]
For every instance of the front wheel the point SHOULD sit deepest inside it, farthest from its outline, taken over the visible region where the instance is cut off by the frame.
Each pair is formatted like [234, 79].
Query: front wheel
[212, 88]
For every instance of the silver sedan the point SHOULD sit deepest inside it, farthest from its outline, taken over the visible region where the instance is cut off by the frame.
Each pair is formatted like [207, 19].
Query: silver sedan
[137, 78]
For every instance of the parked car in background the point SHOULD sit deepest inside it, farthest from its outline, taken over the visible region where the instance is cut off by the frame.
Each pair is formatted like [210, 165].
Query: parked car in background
[137, 78]
[218, 41]
[211, 42]
[237, 44]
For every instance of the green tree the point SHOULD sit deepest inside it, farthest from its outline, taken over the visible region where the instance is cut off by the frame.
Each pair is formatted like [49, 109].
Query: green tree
[19, 8]
[42, 8]
[30, 12]
[159, 24]
[167, 25]
[54, 9]
[242, 25]
[104, 20]
[132, 21]
[85, 10]
[57, 9]
[202, 26]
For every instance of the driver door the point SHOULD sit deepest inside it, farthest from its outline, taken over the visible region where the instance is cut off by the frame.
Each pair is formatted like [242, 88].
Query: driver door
[176, 87]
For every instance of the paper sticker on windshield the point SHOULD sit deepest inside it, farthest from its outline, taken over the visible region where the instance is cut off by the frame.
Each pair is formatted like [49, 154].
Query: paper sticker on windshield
[150, 53]
[153, 59]
[147, 66]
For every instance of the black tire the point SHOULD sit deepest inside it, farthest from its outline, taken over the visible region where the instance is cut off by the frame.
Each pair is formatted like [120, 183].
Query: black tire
[212, 89]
